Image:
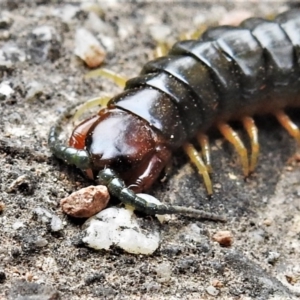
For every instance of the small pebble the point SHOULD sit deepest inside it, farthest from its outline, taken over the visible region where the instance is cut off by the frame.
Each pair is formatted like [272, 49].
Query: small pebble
[5, 90]
[23, 183]
[267, 222]
[292, 278]
[40, 242]
[217, 283]
[56, 224]
[43, 214]
[217, 186]
[164, 271]
[272, 257]
[88, 48]
[17, 225]
[192, 232]
[224, 238]
[86, 202]
[211, 290]
[34, 89]
[258, 235]
[29, 276]
[15, 118]
[119, 227]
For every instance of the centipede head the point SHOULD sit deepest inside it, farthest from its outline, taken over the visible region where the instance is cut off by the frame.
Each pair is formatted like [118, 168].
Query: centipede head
[114, 138]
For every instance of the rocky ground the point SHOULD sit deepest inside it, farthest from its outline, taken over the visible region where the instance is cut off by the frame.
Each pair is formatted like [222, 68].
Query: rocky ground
[41, 252]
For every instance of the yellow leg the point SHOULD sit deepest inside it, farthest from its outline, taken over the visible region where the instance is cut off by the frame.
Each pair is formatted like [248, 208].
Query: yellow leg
[116, 78]
[198, 162]
[193, 35]
[161, 49]
[102, 101]
[204, 143]
[234, 139]
[252, 131]
[288, 124]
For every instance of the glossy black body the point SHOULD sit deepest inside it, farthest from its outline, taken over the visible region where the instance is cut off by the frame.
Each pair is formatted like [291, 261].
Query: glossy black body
[229, 72]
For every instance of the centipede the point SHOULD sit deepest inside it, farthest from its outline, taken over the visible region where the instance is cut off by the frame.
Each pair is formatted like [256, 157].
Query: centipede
[227, 74]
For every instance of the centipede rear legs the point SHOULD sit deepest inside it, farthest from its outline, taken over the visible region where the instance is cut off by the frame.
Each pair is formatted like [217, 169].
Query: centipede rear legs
[196, 159]
[288, 124]
[233, 137]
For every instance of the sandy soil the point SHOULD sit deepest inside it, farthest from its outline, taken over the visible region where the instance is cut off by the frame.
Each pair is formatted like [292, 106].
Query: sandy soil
[45, 78]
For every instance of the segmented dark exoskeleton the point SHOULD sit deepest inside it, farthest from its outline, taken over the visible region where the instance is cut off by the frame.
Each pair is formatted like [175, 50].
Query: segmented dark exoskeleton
[229, 73]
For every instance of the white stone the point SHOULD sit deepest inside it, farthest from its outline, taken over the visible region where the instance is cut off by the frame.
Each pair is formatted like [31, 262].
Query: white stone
[5, 89]
[211, 290]
[56, 224]
[119, 227]
[88, 48]
[17, 225]
[164, 272]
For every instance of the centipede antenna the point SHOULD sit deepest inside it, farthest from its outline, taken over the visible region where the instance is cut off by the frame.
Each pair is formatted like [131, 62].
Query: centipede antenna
[116, 78]
[70, 155]
[232, 137]
[118, 189]
[99, 101]
[201, 214]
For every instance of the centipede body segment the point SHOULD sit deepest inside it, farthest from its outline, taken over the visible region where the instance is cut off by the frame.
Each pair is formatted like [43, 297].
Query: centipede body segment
[229, 73]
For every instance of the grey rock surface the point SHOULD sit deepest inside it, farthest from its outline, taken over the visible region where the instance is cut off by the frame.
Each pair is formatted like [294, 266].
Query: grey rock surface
[37, 41]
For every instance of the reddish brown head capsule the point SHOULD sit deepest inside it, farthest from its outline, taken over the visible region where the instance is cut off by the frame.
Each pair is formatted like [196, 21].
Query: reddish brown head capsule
[120, 140]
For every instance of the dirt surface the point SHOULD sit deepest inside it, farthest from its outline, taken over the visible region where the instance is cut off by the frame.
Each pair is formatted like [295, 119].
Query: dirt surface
[45, 77]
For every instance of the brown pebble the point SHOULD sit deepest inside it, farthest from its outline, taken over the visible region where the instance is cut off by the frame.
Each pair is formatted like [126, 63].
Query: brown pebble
[217, 283]
[88, 48]
[267, 222]
[291, 279]
[86, 202]
[28, 276]
[94, 57]
[224, 238]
